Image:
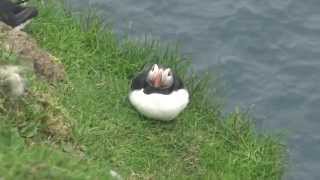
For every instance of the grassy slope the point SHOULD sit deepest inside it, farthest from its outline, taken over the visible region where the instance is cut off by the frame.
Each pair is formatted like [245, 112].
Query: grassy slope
[27, 150]
[199, 144]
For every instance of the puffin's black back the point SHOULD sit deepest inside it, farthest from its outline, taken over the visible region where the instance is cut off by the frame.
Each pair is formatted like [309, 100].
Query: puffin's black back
[140, 82]
[13, 14]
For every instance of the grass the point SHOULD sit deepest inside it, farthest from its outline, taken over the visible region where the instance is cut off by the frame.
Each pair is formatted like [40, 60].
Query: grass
[107, 133]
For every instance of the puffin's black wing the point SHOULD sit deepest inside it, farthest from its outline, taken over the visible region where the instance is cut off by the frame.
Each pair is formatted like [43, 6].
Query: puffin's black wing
[26, 14]
[13, 14]
[9, 7]
[177, 83]
[139, 81]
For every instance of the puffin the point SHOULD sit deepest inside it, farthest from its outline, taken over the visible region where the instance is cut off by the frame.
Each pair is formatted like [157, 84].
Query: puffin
[14, 15]
[158, 93]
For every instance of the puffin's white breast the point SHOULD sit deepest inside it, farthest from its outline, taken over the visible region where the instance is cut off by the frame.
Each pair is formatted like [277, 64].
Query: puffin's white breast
[160, 106]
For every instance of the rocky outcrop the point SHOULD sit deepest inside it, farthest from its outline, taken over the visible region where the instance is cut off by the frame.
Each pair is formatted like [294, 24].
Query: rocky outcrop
[37, 112]
[20, 43]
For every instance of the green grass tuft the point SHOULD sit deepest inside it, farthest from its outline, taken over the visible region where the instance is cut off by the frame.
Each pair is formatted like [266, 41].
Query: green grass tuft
[199, 144]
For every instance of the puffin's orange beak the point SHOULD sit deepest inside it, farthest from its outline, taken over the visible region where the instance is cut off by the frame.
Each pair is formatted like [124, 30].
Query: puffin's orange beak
[157, 79]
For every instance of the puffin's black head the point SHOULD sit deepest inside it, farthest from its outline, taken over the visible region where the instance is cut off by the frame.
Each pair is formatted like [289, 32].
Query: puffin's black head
[157, 79]
[160, 77]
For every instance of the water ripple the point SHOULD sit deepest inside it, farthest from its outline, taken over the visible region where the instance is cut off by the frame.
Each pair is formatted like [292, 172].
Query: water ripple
[269, 52]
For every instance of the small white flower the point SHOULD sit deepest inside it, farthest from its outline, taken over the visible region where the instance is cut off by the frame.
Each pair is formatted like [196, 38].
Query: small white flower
[115, 175]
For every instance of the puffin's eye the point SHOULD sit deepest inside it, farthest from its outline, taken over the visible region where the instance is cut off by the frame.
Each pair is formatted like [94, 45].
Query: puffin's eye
[169, 73]
[154, 67]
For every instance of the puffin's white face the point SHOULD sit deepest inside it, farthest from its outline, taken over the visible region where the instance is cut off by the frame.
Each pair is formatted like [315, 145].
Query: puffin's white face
[159, 77]
[166, 78]
[154, 76]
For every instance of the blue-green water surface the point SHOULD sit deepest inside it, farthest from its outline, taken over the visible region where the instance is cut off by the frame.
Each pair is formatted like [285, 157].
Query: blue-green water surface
[268, 53]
